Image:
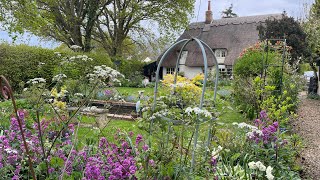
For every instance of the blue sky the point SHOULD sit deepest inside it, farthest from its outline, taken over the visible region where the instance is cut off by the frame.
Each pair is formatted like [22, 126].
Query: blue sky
[294, 8]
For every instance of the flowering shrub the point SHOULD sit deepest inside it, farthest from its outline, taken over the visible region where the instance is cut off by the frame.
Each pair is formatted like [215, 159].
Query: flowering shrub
[106, 161]
[183, 88]
[198, 79]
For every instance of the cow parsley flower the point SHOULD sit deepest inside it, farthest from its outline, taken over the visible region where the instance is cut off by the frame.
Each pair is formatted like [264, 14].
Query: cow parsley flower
[36, 81]
[104, 73]
[269, 173]
[59, 77]
[198, 111]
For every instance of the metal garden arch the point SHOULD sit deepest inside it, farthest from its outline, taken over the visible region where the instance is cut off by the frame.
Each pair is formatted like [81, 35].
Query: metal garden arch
[202, 45]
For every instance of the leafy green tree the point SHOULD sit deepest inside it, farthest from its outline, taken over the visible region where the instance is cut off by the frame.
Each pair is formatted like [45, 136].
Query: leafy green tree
[108, 22]
[312, 29]
[228, 13]
[287, 28]
[68, 21]
[127, 19]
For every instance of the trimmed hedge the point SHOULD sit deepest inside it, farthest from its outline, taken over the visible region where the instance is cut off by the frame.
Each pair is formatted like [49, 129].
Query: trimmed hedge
[19, 63]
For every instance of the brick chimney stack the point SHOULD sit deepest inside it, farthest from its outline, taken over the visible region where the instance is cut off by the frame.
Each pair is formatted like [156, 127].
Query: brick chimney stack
[209, 16]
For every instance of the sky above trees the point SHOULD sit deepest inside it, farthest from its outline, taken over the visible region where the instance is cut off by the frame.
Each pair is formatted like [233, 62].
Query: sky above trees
[295, 8]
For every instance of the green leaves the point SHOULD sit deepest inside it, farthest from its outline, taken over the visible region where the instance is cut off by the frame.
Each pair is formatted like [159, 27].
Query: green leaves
[56, 162]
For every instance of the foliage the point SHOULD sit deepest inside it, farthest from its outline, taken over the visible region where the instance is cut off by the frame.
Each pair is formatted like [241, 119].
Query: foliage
[110, 23]
[132, 70]
[21, 63]
[311, 28]
[314, 96]
[289, 29]
[250, 62]
[198, 79]
[70, 22]
[257, 89]
[228, 13]
[184, 88]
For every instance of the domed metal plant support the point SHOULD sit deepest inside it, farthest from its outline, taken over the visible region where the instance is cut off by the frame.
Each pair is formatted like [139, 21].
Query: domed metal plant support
[202, 46]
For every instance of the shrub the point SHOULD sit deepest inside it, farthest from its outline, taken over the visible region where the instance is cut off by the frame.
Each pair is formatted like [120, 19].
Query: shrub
[256, 89]
[20, 63]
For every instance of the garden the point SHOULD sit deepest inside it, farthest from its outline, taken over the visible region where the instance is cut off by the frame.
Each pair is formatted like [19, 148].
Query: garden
[53, 130]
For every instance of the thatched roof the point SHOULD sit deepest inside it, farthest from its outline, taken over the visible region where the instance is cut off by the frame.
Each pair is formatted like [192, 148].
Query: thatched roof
[233, 34]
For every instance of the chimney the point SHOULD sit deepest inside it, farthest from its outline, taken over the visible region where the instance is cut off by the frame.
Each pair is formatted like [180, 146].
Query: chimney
[209, 17]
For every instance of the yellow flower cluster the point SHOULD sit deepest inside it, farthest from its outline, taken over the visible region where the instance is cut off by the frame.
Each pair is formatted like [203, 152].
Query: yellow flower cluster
[183, 88]
[57, 96]
[169, 78]
[198, 79]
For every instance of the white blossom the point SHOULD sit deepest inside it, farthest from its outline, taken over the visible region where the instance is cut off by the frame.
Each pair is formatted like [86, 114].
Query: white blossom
[159, 114]
[78, 95]
[90, 109]
[198, 111]
[215, 152]
[9, 151]
[245, 125]
[59, 77]
[252, 165]
[36, 81]
[260, 166]
[254, 132]
[104, 73]
[75, 47]
[57, 54]
[269, 173]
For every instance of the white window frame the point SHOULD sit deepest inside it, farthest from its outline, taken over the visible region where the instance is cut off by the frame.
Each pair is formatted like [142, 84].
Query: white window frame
[220, 53]
[170, 70]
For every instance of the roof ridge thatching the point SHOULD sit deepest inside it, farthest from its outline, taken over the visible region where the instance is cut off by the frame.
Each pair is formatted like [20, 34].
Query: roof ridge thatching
[232, 34]
[235, 20]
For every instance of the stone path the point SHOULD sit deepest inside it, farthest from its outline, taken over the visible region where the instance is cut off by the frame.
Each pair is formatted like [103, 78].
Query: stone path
[308, 127]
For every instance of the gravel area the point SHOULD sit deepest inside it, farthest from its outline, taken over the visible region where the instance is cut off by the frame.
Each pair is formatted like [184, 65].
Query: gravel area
[308, 126]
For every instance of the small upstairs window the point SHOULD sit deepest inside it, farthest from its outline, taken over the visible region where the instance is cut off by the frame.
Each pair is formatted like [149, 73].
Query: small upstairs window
[220, 53]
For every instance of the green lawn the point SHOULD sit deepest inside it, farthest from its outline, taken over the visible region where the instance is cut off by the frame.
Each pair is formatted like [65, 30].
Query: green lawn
[134, 91]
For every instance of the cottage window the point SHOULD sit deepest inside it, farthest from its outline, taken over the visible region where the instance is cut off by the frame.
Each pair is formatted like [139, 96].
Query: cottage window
[220, 53]
[223, 53]
[170, 70]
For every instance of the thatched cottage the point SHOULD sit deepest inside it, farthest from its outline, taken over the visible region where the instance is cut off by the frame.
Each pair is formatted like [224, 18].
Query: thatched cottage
[227, 37]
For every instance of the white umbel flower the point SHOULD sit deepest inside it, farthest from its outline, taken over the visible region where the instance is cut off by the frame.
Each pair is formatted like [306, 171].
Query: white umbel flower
[36, 81]
[252, 165]
[260, 166]
[269, 173]
[59, 77]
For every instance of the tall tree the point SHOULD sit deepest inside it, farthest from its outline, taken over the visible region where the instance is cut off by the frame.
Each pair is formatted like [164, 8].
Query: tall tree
[67, 21]
[109, 22]
[287, 28]
[127, 19]
[228, 13]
